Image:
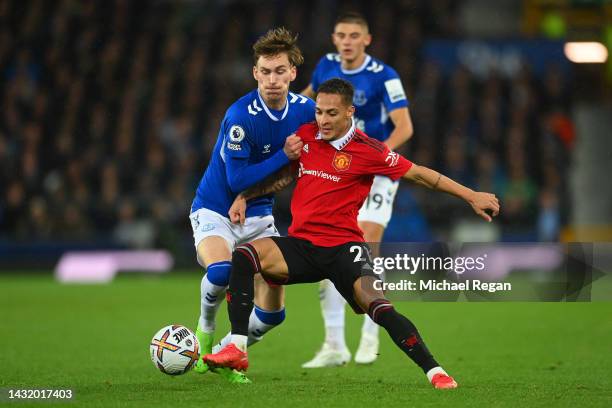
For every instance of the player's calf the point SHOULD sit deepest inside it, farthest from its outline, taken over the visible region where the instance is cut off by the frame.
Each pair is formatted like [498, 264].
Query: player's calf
[212, 291]
[406, 336]
[403, 333]
[241, 292]
[240, 304]
[262, 321]
[269, 310]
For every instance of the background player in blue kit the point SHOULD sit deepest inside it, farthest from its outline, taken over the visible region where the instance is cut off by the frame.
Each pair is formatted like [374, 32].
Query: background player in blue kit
[252, 144]
[381, 112]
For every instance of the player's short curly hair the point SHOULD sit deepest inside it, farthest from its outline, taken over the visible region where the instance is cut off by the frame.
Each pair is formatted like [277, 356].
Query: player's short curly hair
[338, 86]
[277, 41]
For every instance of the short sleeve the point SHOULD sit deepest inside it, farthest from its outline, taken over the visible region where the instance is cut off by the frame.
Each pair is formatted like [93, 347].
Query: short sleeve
[236, 138]
[389, 163]
[394, 95]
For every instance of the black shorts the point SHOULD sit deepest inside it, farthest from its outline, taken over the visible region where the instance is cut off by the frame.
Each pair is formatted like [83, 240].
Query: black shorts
[342, 264]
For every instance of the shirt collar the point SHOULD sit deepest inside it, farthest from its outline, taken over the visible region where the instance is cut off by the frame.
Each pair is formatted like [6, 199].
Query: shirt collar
[358, 69]
[341, 143]
[267, 110]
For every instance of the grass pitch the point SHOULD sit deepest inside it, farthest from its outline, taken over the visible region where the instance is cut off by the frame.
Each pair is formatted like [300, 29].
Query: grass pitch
[95, 340]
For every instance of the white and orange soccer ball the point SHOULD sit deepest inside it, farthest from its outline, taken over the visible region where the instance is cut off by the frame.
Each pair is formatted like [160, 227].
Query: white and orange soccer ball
[174, 349]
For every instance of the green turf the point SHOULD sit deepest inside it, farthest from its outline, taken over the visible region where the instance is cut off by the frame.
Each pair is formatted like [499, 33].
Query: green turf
[94, 339]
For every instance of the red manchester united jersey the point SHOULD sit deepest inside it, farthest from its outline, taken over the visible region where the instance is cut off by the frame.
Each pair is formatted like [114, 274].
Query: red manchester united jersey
[334, 179]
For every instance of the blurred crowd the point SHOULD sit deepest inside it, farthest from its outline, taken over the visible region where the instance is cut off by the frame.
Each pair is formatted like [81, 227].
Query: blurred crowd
[110, 110]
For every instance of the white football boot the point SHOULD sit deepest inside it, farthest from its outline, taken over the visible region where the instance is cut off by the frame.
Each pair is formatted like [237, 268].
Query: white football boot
[328, 357]
[367, 352]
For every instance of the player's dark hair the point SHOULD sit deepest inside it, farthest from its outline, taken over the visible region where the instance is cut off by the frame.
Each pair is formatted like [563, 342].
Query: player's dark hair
[338, 86]
[277, 41]
[352, 17]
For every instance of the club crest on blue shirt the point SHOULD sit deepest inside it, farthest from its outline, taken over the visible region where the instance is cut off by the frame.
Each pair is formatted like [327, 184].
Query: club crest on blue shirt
[359, 97]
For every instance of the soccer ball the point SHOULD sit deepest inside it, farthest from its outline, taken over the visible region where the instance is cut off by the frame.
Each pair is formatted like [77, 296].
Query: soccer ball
[174, 349]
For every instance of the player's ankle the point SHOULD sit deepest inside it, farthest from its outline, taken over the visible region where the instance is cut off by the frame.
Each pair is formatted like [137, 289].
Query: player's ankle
[334, 338]
[337, 347]
[369, 335]
[436, 370]
[206, 329]
[240, 341]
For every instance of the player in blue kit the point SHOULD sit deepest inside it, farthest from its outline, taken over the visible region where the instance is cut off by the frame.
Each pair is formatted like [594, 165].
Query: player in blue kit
[255, 140]
[381, 112]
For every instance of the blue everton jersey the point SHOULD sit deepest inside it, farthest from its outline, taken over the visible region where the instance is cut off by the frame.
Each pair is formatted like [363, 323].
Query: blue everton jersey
[249, 149]
[378, 91]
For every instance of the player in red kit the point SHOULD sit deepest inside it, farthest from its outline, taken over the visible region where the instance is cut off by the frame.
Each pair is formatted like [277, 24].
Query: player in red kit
[334, 178]
[334, 175]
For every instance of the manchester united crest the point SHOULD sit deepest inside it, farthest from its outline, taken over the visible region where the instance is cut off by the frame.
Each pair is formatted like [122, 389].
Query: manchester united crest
[342, 161]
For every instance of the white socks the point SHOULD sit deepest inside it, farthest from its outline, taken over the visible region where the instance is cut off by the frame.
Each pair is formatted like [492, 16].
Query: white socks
[369, 328]
[239, 341]
[211, 296]
[332, 308]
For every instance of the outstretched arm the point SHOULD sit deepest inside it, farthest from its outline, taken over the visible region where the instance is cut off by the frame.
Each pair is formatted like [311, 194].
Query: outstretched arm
[436, 181]
[274, 183]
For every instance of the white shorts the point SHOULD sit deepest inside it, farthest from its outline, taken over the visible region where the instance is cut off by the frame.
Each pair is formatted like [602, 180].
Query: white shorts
[378, 206]
[206, 223]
